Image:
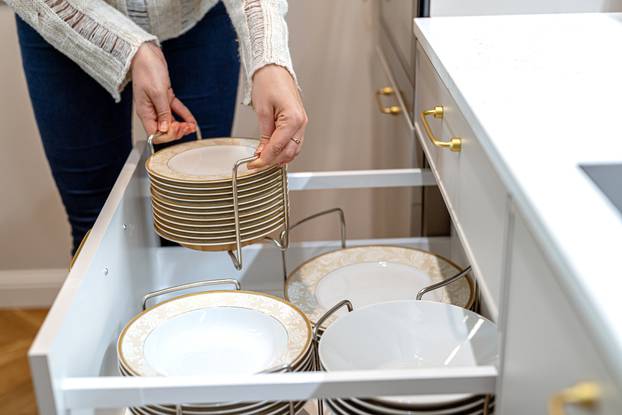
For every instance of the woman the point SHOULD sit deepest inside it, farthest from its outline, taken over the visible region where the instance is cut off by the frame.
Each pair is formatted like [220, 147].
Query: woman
[79, 55]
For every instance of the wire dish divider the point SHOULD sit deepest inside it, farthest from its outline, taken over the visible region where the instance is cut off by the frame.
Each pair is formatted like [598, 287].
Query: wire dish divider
[120, 262]
[236, 255]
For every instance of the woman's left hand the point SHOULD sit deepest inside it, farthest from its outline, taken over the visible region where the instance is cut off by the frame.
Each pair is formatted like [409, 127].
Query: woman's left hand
[281, 115]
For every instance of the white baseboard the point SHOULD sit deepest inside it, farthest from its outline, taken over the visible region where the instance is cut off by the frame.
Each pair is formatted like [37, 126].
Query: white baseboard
[30, 288]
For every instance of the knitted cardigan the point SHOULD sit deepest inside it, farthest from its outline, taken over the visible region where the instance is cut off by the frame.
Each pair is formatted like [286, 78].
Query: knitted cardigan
[102, 36]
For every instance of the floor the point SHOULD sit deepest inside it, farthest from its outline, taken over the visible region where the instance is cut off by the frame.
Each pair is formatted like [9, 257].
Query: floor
[17, 331]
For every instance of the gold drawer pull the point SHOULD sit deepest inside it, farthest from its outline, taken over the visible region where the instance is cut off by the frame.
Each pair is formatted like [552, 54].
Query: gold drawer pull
[454, 143]
[585, 394]
[386, 91]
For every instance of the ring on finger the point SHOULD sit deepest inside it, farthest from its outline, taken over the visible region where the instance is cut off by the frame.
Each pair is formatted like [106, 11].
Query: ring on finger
[296, 140]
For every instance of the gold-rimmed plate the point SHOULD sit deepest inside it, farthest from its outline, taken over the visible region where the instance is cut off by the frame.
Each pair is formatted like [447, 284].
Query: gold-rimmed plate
[217, 244]
[243, 183]
[219, 219]
[257, 187]
[228, 222]
[193, 199]
[216, 205]
[203, 161]
[216, 231]
[373, 274]
[269, 332]
[224, 237]
[243, 208]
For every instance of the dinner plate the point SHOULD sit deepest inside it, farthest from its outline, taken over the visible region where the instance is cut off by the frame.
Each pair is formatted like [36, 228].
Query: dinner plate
[217, 226]
[262, 188]
[218, 223]
[373, 274]
[281, 408]
[214, 332]
[203, 161]
[472, 404]
[216, 231]
[273, 225]
[242, 200]
[220, 187]
[409, 334]
[243, 208]
[193, 218]
[344, 407]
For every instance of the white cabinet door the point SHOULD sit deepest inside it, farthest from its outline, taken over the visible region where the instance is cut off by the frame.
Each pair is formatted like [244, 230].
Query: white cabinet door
[547, 346]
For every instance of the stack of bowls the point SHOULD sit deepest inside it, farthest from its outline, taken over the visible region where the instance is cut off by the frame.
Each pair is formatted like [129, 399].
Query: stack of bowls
[193, 198]
[407, 335]
[217, 333]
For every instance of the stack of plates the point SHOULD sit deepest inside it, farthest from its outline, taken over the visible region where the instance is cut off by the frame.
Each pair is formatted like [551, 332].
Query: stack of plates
[374, 274]
[406, 335]
[216, 333]
[192, 194]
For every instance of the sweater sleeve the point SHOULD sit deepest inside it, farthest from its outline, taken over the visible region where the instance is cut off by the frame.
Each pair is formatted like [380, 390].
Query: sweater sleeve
[92, 33]
[263, 37]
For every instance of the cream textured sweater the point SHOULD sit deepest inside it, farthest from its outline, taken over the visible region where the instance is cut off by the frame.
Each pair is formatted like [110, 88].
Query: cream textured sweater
[102, 36]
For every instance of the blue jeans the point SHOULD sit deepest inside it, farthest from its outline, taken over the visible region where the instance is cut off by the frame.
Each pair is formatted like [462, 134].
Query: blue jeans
[87, 136]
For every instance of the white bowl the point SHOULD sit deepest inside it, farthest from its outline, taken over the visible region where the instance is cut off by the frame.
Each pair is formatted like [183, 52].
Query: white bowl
[216, 340]
[214, 332]
[409, 334]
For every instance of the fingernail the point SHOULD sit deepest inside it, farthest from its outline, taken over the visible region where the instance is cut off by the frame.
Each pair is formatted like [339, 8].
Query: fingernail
[164, 126]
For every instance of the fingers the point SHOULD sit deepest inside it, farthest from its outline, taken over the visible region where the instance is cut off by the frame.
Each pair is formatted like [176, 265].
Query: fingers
[180, 109]
[265, 118]
[287, 125]
[172, 129]
[266, 126]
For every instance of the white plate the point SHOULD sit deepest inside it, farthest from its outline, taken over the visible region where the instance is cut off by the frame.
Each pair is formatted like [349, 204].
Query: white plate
[409, 334]
[219, 204]
[203, 160]
[194, 197]
[220, 231]
[246, 235]
[373, 274]
[221, 216]
[217, 187]
[214, 332]
[346, 407]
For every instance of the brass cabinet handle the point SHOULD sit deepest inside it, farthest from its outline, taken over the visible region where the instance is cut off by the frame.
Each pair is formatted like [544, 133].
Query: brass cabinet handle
[386, 91]
[585, 394]
[454, 143]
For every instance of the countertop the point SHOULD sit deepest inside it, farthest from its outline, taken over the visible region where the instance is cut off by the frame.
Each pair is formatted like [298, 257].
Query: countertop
[543, 93]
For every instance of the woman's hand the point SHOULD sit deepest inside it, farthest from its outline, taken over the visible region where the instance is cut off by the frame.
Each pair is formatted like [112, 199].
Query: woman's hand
[154, 99]
[282, 117]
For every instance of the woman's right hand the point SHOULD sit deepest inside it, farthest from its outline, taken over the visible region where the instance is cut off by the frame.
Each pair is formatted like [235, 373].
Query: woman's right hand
[154, 99]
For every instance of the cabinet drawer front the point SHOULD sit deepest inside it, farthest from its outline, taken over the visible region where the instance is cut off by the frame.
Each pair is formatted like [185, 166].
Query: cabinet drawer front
[474, 194]
[547, 347]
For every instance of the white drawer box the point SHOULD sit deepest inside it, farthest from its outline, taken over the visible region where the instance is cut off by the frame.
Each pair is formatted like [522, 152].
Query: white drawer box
[73, 357]
[475, 197]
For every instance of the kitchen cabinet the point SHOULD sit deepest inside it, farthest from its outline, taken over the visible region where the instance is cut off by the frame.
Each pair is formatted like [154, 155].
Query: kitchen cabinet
[543, 265]
[547, 345]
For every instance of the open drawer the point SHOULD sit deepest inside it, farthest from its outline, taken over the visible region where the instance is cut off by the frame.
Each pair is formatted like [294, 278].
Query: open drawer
[73, 358]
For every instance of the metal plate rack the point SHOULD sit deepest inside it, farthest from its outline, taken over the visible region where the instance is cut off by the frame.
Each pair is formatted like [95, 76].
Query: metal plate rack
[73, 358]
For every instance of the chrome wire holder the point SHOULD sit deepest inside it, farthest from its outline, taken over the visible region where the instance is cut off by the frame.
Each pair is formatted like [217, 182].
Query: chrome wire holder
[443, 283]
[236, 256]
[158, 134]
[283, 242]
[316, 340]
[169, 290]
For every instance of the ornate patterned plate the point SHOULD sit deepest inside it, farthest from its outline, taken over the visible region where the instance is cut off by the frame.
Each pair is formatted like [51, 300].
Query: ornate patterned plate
[203, 161]
[214, 332]
[373, 274]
